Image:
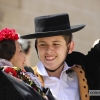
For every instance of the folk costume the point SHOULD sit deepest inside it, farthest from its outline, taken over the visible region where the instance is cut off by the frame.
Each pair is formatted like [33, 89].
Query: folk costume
[16, 84]
[21, 85]
[11, 85]
[83, 69]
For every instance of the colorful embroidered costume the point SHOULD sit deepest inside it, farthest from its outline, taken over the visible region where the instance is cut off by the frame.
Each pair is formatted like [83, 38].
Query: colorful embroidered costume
[20, 74]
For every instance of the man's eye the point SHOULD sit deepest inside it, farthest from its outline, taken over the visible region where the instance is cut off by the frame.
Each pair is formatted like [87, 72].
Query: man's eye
[42, 44]
[56, 44]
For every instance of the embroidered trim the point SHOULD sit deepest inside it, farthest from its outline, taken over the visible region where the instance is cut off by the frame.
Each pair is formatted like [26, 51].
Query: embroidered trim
[4, 62]
[83, 86]
[22, 75]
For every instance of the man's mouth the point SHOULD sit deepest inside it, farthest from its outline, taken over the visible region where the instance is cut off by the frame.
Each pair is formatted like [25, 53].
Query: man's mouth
[50, 58]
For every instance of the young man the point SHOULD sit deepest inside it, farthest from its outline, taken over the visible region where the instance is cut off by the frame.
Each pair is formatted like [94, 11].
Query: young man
[66, 73]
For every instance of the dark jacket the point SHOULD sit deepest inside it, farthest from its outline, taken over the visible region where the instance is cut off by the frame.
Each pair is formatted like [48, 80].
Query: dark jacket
[91, 65]
[12, 88]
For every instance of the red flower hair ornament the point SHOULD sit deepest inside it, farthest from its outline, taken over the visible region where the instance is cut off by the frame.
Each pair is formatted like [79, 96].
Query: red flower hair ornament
[8, 34]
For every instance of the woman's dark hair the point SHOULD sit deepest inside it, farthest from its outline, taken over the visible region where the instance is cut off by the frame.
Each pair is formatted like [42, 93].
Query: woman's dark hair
[7, 49]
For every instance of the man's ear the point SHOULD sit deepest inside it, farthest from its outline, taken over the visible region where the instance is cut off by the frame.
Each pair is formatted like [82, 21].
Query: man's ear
[36, 46]
[71, 47]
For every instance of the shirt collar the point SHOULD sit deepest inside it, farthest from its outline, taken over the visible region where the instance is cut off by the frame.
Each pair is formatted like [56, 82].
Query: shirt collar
[66, 67]
[42, 71]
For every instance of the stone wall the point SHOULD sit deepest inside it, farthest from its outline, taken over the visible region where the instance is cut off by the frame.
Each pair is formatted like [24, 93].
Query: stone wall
[19, 14]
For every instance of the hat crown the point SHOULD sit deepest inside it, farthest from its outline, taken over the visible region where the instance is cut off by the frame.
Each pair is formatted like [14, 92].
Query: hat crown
[52, 23]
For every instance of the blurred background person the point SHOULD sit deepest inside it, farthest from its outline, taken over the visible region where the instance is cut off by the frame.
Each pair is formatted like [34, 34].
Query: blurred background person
[26, 47]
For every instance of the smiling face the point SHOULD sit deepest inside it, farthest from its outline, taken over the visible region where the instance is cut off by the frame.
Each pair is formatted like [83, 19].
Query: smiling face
[52, 51]
[18, 59]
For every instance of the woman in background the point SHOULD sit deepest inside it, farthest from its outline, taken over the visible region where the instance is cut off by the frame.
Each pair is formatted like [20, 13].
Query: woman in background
[10, 50]
[12, 55]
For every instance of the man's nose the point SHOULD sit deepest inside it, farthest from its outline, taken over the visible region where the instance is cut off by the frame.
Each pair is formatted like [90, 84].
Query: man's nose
[49, 49]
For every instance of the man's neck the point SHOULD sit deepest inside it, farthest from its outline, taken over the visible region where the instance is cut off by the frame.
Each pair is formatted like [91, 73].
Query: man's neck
[57, 73]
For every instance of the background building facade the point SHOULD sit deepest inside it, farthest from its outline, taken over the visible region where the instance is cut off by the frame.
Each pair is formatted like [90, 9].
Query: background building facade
[19, 14]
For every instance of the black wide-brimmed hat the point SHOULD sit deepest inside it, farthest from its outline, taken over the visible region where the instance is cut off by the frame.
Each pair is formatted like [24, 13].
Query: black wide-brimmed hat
[52, 25]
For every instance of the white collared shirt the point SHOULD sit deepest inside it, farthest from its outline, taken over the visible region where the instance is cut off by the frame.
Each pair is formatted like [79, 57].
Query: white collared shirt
[65, 88]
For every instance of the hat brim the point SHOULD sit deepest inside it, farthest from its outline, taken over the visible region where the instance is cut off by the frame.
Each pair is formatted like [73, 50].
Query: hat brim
[53, 33]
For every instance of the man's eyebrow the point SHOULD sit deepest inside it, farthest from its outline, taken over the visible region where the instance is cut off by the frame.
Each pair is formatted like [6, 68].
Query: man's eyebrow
[42, 41]
[56, 41]
[45, 42]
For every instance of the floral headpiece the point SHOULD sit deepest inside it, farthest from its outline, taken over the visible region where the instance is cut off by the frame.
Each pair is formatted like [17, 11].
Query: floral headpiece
[8, 34]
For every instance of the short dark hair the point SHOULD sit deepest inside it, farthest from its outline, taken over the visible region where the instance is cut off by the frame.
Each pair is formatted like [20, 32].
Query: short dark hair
[68, 38]
[7, 49]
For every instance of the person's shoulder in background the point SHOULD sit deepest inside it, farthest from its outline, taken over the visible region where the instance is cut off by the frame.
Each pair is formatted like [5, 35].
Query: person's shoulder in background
[96, 44]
